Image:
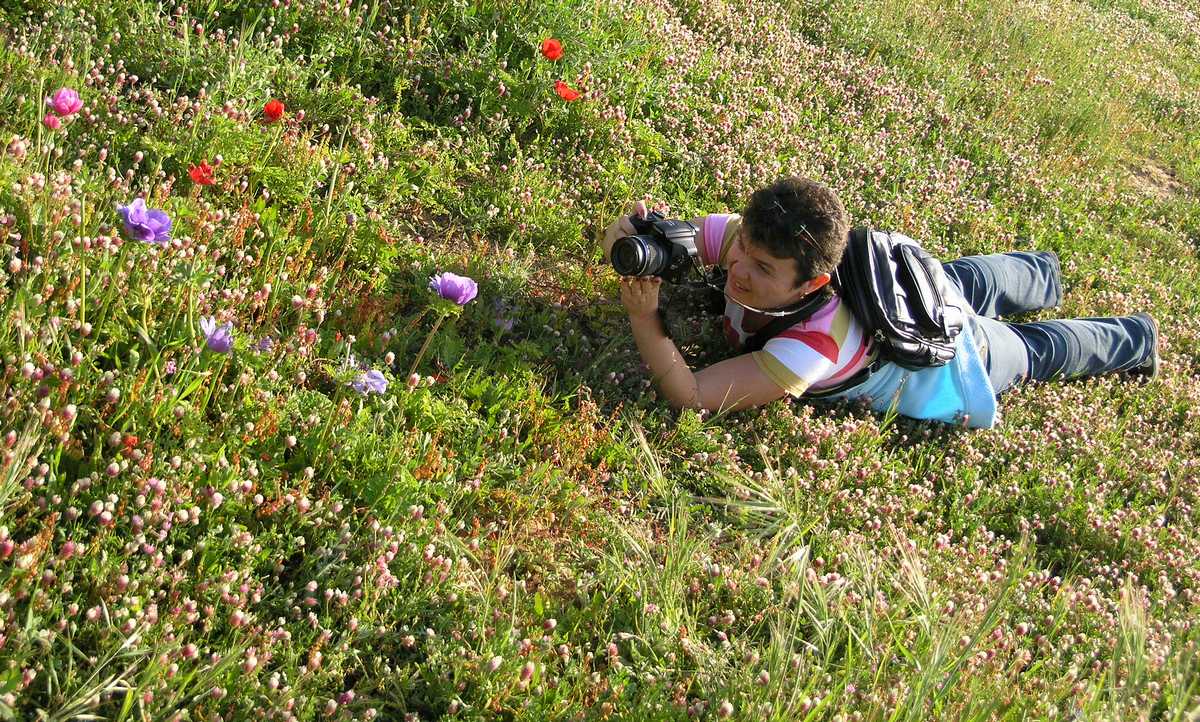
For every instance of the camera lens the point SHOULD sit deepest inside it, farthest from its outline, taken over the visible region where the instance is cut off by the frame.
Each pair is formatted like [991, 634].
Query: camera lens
[629, 256]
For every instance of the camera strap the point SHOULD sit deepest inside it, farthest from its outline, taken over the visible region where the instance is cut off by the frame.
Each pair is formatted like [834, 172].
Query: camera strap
[801, 312]
[781, 318]
[804, 308]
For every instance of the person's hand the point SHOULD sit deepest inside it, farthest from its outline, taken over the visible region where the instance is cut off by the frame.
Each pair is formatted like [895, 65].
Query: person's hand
[639, 295]
[622, 227]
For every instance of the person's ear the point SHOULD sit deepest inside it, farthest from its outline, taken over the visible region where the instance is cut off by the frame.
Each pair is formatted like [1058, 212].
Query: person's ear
[815, 283]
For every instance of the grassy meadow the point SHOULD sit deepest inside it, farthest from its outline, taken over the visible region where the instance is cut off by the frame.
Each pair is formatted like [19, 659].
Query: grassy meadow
[254, 468]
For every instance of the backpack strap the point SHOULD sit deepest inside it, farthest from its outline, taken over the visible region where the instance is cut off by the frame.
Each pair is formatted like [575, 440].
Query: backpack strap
[814, 302]
[821, 297]
[844, 273]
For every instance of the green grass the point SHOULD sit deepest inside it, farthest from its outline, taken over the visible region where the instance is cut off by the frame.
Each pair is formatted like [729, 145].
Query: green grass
[523, 530]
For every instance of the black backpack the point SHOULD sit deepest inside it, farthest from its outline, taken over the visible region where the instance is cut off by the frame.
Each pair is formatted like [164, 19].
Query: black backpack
[899, 293]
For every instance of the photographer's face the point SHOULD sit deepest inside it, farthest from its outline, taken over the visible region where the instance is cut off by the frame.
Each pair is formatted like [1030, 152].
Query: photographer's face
[759, 279]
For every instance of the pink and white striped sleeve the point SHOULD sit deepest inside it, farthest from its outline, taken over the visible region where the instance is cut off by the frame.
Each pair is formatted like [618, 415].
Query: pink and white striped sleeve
[717, 232]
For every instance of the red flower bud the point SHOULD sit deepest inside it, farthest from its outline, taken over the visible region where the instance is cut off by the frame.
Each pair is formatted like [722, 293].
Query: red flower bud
[273, 110]
[552, 49]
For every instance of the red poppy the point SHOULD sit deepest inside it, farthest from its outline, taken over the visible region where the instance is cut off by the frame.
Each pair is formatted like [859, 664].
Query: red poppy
[273, 110]
[202, 174]
[552, 49]
[566, 92]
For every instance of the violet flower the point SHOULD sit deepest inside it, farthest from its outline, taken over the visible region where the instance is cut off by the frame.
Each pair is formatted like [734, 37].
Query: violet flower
[218, 338]
[65, 101]
[150, 225]
[371, 382]
[454, 287]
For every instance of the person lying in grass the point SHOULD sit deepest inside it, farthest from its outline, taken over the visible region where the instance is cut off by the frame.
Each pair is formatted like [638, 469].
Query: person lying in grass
[784, 246]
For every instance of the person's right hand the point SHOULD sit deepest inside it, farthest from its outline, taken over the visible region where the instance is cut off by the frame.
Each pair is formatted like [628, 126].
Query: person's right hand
[622, 227]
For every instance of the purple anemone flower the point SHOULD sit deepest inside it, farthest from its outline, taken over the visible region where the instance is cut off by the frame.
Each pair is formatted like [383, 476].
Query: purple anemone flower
[454, 287]
[218, 338]
[266, 343]
[150, 225]
[371, 382]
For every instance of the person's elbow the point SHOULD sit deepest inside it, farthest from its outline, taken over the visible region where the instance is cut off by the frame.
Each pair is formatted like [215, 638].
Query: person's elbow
[721, 395]
[680, 403]
[701, 401]
[683, 398]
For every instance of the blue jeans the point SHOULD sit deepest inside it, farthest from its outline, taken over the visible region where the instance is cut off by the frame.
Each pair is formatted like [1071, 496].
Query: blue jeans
[1004, 284]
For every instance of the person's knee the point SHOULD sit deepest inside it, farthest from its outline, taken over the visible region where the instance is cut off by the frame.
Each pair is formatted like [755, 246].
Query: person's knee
[1056, 277]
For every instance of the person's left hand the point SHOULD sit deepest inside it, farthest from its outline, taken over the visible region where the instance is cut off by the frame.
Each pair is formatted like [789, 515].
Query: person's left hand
[623, 226]
[639, 295]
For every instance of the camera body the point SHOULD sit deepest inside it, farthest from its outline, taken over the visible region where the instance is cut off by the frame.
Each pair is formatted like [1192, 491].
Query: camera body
[661, 247]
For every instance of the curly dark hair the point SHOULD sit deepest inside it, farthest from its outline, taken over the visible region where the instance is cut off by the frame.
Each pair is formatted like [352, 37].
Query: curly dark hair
[798, 218]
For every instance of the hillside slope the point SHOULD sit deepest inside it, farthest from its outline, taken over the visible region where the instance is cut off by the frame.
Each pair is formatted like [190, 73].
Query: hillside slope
[254, 467]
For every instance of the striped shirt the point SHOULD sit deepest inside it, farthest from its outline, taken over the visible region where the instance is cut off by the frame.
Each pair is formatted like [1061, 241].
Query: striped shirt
[820, 352]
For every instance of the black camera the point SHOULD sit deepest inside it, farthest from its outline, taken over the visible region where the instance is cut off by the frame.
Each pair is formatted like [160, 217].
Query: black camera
[662, 247]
